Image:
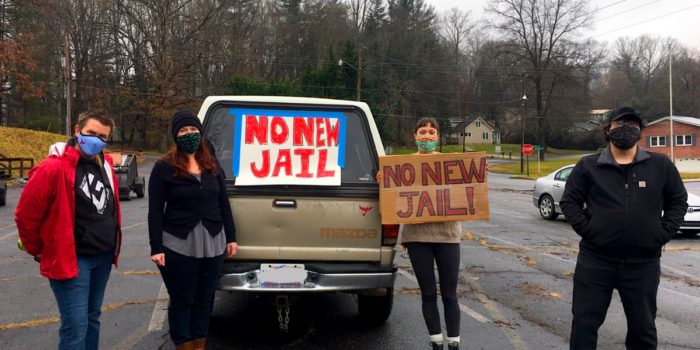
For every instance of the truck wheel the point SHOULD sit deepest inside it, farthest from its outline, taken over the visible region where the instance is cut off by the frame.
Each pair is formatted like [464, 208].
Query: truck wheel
[140, 191]
[124, 194]
[3, 199]
[376, 310]
[685, 233]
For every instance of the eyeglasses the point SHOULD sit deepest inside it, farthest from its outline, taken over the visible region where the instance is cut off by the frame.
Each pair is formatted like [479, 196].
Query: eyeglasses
[632, 123]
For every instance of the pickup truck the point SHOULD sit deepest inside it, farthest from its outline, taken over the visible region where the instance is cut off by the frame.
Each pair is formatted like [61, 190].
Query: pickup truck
[330, 238]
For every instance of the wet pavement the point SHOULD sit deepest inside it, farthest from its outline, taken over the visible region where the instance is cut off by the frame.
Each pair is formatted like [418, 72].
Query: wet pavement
[515, 293]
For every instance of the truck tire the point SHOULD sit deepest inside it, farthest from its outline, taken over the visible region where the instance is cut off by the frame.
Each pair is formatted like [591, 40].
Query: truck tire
[124, 194]
[684, 233]
[141, 190]
[375, 310]
[3, 198]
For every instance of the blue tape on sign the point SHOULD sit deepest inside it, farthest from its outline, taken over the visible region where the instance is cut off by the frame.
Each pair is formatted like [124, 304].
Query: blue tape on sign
[239, 113]
[341, 145]
[236, 142]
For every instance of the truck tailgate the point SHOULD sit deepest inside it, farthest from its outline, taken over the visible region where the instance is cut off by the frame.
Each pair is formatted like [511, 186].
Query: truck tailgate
[307, 228]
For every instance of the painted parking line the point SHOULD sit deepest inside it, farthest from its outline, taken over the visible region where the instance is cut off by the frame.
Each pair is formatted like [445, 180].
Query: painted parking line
[159, 310]
[466, 309]
[12, 234]
[496, 314]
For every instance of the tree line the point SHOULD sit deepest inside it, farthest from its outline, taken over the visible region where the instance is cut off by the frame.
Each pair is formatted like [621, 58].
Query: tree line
[143, 60]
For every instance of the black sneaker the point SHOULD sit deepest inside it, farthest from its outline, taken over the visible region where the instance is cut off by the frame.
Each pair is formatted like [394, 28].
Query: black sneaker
[453, 346]
[436, 346]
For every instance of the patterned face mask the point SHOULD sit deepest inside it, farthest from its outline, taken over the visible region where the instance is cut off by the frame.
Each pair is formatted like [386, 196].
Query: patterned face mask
[189, 143]
[427, 143]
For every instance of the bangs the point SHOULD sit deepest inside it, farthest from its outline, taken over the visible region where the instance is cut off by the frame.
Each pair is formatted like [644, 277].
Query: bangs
[427, 122]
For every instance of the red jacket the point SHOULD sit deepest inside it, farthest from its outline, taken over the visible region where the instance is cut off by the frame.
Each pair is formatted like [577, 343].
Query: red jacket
[45, 214]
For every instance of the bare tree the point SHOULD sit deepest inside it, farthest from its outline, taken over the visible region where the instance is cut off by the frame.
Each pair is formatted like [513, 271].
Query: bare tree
[541, 34]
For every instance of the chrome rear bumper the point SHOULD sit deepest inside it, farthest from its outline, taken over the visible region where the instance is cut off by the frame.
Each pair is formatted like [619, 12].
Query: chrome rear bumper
[316, 282]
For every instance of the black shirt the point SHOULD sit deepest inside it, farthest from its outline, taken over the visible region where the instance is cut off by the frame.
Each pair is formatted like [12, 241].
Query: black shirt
[95, 220]
[625, 168]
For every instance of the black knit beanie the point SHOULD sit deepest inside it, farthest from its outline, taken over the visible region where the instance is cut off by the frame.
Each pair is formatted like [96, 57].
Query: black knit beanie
[182, 119]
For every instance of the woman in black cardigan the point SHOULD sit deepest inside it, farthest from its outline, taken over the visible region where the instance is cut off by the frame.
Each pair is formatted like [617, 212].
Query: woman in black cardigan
[190, 228]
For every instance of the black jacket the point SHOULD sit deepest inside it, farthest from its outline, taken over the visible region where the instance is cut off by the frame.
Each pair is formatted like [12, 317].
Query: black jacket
[176, 205]
[623, 216]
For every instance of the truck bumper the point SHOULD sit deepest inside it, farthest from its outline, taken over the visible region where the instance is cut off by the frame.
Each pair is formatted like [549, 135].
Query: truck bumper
[321, 278]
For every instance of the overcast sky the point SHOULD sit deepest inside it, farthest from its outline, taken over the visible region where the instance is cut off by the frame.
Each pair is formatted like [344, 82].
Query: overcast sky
[684, 25]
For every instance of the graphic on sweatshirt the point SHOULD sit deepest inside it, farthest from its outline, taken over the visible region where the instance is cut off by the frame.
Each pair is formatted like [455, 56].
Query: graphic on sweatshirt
[97, 191]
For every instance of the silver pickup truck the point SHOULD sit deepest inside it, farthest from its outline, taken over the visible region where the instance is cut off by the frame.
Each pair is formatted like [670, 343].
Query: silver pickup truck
[331, 235]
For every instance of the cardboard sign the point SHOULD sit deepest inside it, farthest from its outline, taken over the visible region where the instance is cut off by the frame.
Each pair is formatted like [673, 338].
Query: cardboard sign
[279, 147]
[433, 188]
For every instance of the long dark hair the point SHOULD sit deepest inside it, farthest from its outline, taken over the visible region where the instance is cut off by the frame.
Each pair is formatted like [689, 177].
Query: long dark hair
[178, 159]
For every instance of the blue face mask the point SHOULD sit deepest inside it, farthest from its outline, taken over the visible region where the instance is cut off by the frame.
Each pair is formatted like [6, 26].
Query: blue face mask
[90, 145]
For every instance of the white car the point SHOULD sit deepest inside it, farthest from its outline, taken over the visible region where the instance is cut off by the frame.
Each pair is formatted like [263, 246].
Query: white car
[691, 224]
[549, 190]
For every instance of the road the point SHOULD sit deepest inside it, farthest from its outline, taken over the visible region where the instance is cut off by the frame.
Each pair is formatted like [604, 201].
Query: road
[515, 293]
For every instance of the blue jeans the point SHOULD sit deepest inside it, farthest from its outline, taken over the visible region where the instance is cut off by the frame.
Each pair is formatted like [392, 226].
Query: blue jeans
[79, 301]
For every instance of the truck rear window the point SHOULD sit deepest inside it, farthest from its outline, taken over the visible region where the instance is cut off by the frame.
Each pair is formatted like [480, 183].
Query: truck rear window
[360, 157]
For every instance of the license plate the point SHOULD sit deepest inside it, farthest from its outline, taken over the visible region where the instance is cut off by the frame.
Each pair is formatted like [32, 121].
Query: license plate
[282, 275]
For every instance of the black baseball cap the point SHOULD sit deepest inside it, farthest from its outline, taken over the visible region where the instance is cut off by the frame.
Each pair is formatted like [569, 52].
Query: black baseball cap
[624, 112]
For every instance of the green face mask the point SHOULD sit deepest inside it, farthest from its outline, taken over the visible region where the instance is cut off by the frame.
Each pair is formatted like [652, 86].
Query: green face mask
[189, 143]
[426, 144]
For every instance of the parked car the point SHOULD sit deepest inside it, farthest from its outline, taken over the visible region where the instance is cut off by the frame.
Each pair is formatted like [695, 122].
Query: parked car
[691, 224]
[548, 192]
[333, 234]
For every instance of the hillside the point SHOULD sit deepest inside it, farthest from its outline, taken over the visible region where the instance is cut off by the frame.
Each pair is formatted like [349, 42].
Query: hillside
[23, 143]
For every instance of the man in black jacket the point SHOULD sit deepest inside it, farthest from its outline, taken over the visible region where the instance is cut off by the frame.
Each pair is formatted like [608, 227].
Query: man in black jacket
[634, 202]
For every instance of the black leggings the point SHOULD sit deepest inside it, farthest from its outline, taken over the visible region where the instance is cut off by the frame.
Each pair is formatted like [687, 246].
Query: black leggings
[446, 255]
[191, 283]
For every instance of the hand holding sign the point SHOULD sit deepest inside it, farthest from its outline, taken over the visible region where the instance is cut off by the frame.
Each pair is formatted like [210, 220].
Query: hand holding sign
[433, 188]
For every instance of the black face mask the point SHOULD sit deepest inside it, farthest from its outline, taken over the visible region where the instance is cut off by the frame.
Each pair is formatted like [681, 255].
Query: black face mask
[625, 137]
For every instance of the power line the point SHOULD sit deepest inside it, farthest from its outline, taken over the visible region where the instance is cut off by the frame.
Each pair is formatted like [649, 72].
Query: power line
[649, 20]
[604, 7]
[630, 10]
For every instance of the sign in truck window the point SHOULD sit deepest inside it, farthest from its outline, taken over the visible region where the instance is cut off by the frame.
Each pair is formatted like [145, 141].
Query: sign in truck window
[433, 188]
[281, 147]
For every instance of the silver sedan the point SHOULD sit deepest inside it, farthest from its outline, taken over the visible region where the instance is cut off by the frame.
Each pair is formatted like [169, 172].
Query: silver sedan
[549, 190]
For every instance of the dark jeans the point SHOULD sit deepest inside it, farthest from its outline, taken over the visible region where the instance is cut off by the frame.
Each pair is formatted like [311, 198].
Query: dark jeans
[79, 302]
[191, 283]
[446, 255]
[594, 281]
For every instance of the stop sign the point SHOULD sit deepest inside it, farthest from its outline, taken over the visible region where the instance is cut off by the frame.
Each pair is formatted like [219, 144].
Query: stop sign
[527, 149]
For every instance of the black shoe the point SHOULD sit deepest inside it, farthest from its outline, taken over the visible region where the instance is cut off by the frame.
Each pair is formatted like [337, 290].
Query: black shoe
[453, 346]
[436, 346]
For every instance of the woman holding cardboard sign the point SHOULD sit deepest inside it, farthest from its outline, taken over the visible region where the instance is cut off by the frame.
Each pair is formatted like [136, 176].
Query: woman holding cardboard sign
[190, 228]
[435, 243]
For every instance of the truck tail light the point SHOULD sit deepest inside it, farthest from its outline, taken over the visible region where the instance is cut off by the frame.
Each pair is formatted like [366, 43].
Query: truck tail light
[390, 234]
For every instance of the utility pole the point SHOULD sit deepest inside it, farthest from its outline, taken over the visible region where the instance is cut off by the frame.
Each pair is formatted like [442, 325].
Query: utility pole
[522, 125]
[359, 72]
[68, 94]
[3, 117]
[670, 99]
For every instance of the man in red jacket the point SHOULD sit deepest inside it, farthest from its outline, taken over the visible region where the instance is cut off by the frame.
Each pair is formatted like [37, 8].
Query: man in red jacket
[68, 216]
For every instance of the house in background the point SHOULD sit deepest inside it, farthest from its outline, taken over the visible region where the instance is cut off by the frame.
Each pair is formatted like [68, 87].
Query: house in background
[475, 131]
[656, 138]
